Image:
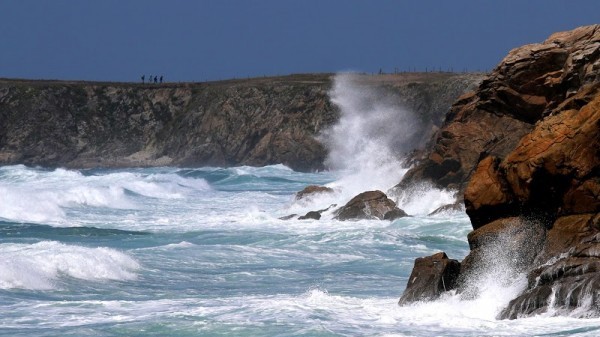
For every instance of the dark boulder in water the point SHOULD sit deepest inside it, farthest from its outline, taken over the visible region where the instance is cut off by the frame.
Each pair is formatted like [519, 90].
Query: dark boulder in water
[525, 149]
[314, 215]
[369, 205]
[394, 214]
[431, 276]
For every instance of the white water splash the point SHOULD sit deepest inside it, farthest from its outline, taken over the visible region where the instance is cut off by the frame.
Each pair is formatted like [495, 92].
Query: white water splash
[41, 196]
[40, 265]
[372, 134]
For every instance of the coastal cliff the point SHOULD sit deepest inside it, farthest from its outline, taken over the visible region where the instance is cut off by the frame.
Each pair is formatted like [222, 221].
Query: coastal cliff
[255, 122]
[525, 150]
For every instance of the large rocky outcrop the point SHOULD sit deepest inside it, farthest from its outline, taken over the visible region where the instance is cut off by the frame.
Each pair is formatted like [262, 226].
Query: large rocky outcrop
[529, 84]
[531, 175]
[239, 122]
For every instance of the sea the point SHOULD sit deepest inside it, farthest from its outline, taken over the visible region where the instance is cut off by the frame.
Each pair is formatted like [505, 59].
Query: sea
[202, 252]
[171, 251]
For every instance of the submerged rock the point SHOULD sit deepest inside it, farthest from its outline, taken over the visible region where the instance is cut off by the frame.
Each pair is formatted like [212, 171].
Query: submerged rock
[288, 217]
[430, 277]
[369, 205]
[314, 215]
[311, 215]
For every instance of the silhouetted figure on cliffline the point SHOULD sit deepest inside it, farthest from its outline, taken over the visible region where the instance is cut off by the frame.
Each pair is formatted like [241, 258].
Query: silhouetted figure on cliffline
[143, 78]
[155, 79]
[161, 78]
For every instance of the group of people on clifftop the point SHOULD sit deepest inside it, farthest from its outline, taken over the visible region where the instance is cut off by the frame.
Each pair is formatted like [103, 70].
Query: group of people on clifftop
[156, 79]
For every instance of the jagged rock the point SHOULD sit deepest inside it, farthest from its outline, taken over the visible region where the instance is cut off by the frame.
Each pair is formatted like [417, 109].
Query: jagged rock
[430, 277]
[487, 197]
[315, 215]
[311, 190]
[512, 243]
[567, 273]
[529, 84]
[533, 172]
[367, 205]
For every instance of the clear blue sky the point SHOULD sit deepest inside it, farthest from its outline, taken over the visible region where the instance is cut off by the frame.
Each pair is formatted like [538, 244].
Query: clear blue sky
[119, 40]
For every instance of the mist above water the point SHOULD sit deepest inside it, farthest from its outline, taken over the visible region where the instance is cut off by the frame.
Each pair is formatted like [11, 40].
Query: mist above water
[367, 145]
[370, 136]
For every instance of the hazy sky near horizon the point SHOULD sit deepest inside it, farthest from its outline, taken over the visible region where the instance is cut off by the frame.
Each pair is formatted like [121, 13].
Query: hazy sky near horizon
[119, 40]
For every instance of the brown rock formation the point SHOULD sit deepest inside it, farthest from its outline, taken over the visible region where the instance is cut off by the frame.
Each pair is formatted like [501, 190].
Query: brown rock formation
[529, 84]
[552, 175]
[534, 189]
[369, 205]
[430, 277]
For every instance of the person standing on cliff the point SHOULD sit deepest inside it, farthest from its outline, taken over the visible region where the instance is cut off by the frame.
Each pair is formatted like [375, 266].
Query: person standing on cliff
[161, 78]
[143, 78]
[155, 79]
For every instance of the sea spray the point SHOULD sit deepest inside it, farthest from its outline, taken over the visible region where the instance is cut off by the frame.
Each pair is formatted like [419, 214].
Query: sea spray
[367, 145]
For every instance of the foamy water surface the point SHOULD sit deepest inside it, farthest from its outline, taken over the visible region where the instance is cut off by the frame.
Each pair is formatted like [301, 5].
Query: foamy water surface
[188, 252]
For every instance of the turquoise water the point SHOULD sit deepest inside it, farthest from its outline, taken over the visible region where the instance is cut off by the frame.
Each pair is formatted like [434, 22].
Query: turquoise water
[201, 252]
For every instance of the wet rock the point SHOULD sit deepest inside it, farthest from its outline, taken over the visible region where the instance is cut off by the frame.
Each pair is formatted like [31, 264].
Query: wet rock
[449, 208]
[314, 215]
[288, 217]
[312, 190]
[567, 273]
[525, 150]
[430, 277]
[394, 214]
[367, 205]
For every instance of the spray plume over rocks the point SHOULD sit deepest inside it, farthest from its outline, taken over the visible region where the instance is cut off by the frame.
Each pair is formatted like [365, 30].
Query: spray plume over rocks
[378, 127]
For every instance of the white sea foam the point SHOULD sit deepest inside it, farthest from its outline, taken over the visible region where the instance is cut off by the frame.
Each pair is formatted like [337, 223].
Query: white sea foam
[299, 314]
[40, 265]
[40, 196]
[422, 199]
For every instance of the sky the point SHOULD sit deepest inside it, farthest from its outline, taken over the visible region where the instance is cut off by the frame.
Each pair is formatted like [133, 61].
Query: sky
[120, 40]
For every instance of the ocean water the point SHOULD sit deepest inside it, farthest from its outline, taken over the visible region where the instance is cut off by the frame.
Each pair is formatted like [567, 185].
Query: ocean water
[201, 252]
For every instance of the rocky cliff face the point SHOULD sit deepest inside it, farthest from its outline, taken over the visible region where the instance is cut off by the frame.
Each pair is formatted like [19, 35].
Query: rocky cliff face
[529, 84]
[241, 122]
[525, 148]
